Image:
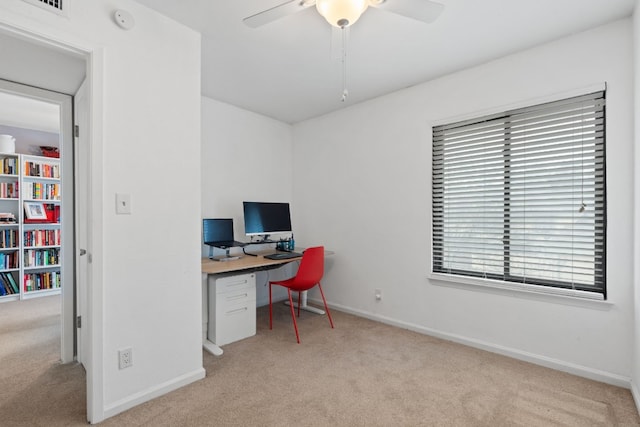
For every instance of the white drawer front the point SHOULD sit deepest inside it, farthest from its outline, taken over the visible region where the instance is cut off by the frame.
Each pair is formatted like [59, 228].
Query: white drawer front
[237, 296]
[234, 283]
[234, 323]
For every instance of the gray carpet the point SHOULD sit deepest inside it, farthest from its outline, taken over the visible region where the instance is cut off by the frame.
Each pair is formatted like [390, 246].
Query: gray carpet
[362, 373]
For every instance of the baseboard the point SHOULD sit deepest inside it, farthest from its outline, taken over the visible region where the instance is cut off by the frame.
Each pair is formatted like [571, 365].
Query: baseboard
[560, 365]
[153, 392]
[636, 395]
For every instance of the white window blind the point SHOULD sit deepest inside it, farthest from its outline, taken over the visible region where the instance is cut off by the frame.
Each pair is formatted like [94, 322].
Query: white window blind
[520, 196]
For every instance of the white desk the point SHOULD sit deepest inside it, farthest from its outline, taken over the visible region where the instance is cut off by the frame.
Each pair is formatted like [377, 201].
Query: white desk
[246, 263]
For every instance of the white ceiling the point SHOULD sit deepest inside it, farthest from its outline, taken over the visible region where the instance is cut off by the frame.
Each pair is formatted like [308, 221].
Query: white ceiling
[22, 112]
[285, 69]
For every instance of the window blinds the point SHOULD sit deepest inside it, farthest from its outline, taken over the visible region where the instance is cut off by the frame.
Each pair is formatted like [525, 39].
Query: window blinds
[520, 196]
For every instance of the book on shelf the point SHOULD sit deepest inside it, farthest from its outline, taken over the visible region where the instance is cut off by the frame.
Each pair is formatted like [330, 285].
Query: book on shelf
[42, 237]
[8, 238]
[7, 218]
[6, 286]
[42, 170]
[8, 278]
[41, 257]
[9, 190]
[41, 191]
[41, 281]
[9, 165]
[9, 260]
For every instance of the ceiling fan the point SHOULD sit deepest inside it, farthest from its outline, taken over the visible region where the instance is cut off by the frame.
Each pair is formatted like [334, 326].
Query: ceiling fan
[344, 13]
[341, 14]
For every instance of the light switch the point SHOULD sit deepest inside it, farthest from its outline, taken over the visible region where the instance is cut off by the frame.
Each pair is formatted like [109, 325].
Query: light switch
[123, 204]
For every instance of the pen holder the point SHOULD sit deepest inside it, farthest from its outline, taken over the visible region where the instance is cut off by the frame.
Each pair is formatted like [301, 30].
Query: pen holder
[285, 245]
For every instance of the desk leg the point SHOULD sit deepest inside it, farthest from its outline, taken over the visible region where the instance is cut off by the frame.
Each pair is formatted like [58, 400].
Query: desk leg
[304, 306]
[206, 344]
[212, 348]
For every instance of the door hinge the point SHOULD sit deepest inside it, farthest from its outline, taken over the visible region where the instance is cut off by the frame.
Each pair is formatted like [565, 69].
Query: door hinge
[79, 322]
[76, 131]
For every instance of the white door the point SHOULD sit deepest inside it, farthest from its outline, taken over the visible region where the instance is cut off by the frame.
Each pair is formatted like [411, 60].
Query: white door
[81, 174]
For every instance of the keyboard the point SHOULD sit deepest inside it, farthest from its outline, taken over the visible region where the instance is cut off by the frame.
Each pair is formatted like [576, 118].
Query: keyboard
[283, 255]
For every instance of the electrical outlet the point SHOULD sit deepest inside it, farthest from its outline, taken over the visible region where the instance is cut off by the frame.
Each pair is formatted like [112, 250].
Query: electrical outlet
[125, 358]
[378, 293]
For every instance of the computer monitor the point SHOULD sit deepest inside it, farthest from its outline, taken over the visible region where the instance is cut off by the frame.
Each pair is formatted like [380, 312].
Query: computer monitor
[266, 218]
[218, 233]
[216, 230]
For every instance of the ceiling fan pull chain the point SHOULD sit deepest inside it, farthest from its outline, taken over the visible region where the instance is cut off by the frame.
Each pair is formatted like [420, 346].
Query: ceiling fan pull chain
[345, 92]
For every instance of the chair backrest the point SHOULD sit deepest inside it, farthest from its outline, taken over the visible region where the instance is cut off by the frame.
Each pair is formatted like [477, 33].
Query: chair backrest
[311, 269]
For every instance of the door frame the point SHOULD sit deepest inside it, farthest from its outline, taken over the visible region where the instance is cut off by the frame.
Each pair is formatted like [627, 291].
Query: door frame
[81, 156]
[95, 62]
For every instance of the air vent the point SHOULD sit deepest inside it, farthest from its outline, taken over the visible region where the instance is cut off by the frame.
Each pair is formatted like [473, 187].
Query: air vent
[55, 6]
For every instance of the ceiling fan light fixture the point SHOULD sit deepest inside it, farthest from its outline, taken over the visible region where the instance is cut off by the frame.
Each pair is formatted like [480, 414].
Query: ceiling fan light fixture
[341, 13]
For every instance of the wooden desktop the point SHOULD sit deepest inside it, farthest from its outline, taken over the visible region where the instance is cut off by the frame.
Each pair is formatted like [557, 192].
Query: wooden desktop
[246, 262]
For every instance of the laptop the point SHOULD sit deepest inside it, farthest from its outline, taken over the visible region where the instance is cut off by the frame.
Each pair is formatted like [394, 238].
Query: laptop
[218, 232]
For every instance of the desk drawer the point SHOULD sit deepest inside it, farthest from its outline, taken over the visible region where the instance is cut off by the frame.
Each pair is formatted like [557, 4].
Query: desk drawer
[237, 296]
[234, 283]
[234, 323]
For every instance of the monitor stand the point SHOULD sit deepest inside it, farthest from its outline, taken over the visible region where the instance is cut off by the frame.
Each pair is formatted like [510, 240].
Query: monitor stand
[226, 257]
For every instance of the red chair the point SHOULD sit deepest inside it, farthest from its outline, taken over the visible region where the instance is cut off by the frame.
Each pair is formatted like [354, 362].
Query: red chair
[309, 274]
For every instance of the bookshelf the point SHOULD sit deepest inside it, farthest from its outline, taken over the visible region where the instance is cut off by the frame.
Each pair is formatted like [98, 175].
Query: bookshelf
[30, 234]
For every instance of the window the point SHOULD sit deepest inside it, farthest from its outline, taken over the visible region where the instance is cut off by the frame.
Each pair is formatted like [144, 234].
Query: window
[519, 196]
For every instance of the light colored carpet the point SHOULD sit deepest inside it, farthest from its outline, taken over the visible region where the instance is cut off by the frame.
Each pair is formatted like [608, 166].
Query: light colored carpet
[35, 389]
[362, 373]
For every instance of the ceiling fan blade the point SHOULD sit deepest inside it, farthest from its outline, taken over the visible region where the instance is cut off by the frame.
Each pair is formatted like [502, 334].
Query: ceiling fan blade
[277, 12]
[422, 10]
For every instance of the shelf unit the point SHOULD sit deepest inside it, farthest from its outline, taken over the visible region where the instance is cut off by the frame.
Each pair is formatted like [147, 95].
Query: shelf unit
[30, 250]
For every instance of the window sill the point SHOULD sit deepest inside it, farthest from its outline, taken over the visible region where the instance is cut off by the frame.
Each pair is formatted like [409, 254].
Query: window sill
[541, 293]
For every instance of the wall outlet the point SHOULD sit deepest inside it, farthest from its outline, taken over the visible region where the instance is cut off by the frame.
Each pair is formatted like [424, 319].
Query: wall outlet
[125, 358]
[378, 294]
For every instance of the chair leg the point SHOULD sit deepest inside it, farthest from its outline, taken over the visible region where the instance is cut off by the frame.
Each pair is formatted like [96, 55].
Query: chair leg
[270, 309]
[299, 302]
[325, 305]
[293, 316]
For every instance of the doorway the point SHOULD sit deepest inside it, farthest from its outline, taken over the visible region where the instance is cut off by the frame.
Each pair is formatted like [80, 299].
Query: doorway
[34, 118]
[24, 58]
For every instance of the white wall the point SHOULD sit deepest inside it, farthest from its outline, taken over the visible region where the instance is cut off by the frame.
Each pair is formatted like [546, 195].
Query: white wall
[635, 378]
[145, 89]
[245, 156]
[362, 186]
